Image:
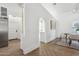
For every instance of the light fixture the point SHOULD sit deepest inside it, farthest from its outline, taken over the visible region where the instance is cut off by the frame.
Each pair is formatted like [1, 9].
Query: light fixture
[21, 5]
[54, 3]
[76, 8]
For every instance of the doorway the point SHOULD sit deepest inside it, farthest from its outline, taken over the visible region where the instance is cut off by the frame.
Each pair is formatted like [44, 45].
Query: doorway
[14, 15]
[42, 31]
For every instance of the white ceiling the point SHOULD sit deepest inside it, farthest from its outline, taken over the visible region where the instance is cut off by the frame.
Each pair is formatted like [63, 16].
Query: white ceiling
[16, 10]
[61, 8]
[65, 7]
[13, 9]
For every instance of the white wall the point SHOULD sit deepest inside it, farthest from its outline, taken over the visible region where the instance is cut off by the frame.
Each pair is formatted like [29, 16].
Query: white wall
[13, 9]
[42, 30]
[49, 7]
[65, 22]
[63, 13]
[15, 22]
[30, 39]
[52, 32]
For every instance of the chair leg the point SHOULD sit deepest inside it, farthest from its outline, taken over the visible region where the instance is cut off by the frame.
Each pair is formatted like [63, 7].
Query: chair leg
[78, 40]
[70, 41]
[66, 40]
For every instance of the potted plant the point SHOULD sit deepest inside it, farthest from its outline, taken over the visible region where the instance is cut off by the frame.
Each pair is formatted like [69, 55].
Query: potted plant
[77, 30]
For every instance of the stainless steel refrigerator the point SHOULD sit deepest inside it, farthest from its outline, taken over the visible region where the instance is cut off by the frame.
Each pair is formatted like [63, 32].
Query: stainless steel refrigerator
[3, 27]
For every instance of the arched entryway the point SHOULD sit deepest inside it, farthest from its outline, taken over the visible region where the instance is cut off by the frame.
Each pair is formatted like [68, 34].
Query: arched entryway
[42, 30]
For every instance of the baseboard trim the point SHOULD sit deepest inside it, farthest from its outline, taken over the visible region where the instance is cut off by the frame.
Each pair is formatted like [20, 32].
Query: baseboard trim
[43, 42]
[22, 51]
[32, 51]
[57, 37]
[13, 39]
[26, 51]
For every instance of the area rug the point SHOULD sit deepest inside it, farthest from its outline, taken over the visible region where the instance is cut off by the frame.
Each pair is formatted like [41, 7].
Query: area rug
[74, 45]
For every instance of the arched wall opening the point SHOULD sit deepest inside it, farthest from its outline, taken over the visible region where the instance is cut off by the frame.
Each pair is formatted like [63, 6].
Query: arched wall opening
[42, 30]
